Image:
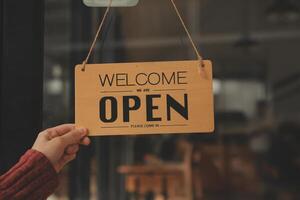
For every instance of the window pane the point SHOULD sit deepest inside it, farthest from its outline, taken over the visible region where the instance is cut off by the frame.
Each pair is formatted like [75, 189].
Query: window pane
[103, 3]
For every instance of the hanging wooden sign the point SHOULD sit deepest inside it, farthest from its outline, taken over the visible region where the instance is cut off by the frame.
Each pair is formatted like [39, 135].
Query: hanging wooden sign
[144, 98]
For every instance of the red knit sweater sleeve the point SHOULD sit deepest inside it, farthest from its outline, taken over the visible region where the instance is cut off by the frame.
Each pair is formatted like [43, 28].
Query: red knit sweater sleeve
[33, 177]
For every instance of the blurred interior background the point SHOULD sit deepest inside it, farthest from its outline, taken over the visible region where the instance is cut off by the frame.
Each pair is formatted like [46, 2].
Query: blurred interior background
[253, 153]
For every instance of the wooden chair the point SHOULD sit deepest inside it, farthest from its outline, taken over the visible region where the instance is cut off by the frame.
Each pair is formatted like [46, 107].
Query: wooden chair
[170, 179]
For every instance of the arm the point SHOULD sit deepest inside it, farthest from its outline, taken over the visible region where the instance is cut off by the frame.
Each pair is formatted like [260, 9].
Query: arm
[35, 176]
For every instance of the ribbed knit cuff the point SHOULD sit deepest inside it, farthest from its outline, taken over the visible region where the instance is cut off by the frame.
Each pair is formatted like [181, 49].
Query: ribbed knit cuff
[33, 177]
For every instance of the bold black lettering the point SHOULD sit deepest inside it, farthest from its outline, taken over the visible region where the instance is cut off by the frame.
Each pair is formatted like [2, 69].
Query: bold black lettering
[182, 110]
[121, 78]
[106, 79]
[165, 78]
[137, 78]
[150, 107]
[127, 107]
[114, 109]
[181, 75]
[152, 82]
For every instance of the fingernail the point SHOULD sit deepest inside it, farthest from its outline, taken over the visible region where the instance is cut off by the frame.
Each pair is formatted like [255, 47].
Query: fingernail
[83, 132]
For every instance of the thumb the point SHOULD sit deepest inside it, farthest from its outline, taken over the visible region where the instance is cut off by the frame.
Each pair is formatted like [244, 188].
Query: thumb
[74, 136]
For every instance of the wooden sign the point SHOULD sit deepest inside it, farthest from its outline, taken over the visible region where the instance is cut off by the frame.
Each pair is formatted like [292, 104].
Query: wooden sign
[144, 98]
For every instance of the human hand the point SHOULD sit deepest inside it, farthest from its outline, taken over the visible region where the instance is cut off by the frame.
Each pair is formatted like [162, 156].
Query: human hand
[61, 143]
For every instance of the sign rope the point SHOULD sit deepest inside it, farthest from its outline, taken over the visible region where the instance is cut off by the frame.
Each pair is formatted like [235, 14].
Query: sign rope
[188, 34]
[179, 16]
[96, 36]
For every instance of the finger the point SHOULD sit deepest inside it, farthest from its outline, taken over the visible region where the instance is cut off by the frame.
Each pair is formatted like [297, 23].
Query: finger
[66, 159]
[60, 130]
[45, 135]
[72, 149]
[74, 136]
[85, 141]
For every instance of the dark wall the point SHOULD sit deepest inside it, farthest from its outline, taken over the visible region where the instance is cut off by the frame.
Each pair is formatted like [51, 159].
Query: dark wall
[21, 76]
[1, 57]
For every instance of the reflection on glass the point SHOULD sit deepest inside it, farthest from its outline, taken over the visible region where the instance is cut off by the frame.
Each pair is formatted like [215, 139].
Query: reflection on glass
[104, 3]
[254, 152]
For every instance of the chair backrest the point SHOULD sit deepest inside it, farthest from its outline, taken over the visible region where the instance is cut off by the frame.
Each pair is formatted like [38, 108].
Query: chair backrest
[186, 149]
